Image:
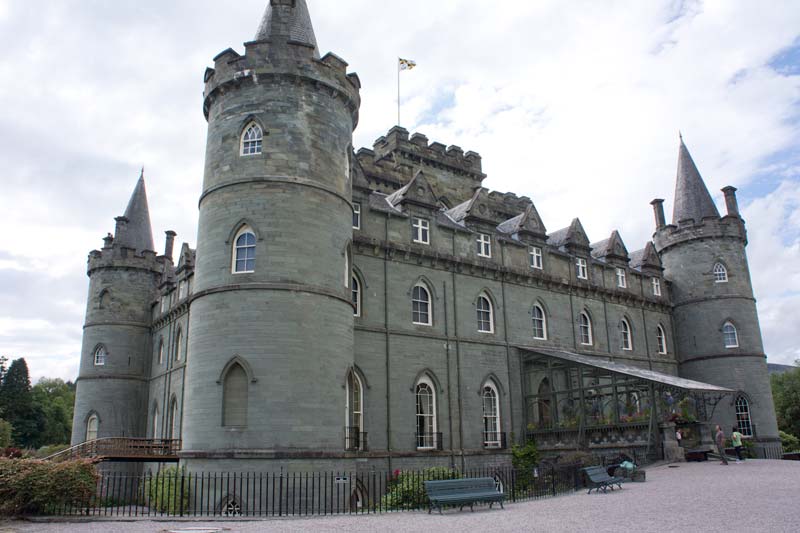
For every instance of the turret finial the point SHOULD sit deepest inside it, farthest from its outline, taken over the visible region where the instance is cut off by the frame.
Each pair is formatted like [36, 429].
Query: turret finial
[287, 21]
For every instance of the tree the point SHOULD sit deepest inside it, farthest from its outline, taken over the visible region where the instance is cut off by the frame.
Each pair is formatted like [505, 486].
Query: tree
[18, 407]
[5, 434]
[786, 393]
[56, 400]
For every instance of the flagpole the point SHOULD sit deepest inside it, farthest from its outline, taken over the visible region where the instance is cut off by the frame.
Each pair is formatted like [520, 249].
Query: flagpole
[398, 91]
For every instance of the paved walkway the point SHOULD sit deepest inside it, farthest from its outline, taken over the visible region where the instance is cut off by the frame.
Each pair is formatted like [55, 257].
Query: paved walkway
[753, 496]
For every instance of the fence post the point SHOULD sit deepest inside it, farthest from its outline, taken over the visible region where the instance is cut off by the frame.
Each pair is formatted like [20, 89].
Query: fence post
[280, 494]
[183, 476]
[553, 479]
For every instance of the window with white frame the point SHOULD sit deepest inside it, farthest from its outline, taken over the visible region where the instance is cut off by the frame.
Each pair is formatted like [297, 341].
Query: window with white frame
[178, 345]
[626, 339]
[485, 315]
[100, 356]
[484, 242]
[622, 278]
[491, 417]
[355, 412]
[720, 273]
[743, 421]
[535, 254]
[581, 268]
[661, 337]
[356, 294]
[252, 139]
[244, 252]
[356, 215]
[421, 305]
[420, 231]
[730, 335]
[585, 329]
[656, 287]
[426, 414]
[92, 427]
[539, 322]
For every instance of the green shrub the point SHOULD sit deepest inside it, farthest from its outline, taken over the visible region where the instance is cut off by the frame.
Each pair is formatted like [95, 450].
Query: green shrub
[789, 442]
[524, 459]
[161, 491]
[29, 486]
[407, 489]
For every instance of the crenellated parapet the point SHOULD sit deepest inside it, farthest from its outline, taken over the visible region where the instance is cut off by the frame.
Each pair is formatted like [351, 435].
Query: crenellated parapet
[122, 257]
[727, 227]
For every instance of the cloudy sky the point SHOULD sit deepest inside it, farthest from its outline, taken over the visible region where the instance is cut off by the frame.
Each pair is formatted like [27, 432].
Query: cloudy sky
[576, 104]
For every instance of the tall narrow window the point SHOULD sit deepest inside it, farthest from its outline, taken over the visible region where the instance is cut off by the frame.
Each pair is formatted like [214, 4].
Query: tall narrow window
[585, 327]
[178, 345]
[356, 216]
[484, 242]
[581, 268]
[661, 337]
[730, 335]
[252, 139]
[539, 323]
[355, 412]
[720, 273]
[234, 397]
[155, 422]
[485, 315]
[743, 416]
[622, 278]
[427, 437]
[92, 426]
[356, 292]
[626, 340]
[174, 420]
[100, 356]
[656, 287]
[161, 351]
[491, 417]
[420, 231]
[535, 255]
[421, 305]
[244, 253]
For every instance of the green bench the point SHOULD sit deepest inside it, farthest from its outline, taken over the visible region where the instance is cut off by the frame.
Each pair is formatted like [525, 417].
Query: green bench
[599, 479]
[461, 492]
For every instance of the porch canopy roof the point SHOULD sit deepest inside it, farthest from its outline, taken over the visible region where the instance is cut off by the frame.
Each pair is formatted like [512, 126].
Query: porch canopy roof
[629, 370]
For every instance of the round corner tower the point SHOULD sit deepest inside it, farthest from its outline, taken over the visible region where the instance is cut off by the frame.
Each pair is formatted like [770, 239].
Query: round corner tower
[717, 331]
[271, 319]
[111, 390]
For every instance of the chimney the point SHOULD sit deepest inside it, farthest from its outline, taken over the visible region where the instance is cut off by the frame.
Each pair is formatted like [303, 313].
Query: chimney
[170, 244]
[119, 231]
[730, 201]
[658, 208]
[108, 241]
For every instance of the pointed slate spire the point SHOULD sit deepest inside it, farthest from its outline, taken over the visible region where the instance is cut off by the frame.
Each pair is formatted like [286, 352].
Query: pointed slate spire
[692, 199]
[285, 21]
[138, 232]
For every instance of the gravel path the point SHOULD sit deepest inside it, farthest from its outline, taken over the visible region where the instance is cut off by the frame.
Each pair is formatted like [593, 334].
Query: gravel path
[752, 496]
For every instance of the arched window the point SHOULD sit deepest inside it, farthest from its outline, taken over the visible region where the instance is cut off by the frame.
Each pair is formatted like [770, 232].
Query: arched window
[720, 273]
[661, 337]
[626, 340]
[585, 327]
[178, 345]
[539, 322]
[743, 416]
[174, 420]
[161, 351]
[234, 397]
[730, 336]
[355, 412]
[252, 139]
[244, 252]
[155, 422]
[104, 299]
[427, 437]
[421, 305]
[356, 295]
[92, 426]
[100, 356]
[491, 417]
[485, 315]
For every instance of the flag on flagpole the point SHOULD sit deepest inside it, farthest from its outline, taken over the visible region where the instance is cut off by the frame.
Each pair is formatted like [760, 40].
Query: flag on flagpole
[407, 64]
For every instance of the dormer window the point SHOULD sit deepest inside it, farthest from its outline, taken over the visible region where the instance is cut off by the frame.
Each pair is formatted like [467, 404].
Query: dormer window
[484, 245]
[622, 279]
[581, 268]
[252, 140]
[720, 273]
[420, 231]
[656, 287]
[535, 254]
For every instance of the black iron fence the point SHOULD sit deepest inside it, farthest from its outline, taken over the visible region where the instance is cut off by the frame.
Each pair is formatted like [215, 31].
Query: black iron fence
[175, 493]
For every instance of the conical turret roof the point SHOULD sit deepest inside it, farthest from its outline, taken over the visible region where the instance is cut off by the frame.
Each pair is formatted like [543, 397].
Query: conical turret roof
[287, 20]
[692, 199]
[138, 232]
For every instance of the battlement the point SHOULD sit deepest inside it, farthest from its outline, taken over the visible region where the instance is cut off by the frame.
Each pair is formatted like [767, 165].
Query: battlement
[115, 256]
[416, 150]
[727, 227]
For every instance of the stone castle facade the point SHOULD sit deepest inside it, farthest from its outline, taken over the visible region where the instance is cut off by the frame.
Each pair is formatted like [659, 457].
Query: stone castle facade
[378, 308]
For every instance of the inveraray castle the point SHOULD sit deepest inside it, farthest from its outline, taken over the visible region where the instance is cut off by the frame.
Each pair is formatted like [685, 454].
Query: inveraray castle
[377, 308]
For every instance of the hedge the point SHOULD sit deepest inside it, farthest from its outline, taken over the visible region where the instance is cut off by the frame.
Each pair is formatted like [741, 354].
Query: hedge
[30, 486]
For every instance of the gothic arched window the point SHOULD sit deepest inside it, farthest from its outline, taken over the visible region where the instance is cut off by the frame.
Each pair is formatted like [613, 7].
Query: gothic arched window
[491, 417]
[355, 412]
[427, 437]
[585, 329]
[720, 273]
[421, 305]
[92, 427]
[100, 356]
[485, 314]
[626, 339]
[661, 337]
[178, 345]
[244, 251]
[730, 335]
[155, 421]
[539, 322]
[743, 416]
[356, 295]
[234, 397]
[252, 139]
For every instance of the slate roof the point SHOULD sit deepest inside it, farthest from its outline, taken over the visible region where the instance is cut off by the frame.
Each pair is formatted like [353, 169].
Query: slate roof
[290, 23]
[600, 249]
[138, 232]
[692, 200]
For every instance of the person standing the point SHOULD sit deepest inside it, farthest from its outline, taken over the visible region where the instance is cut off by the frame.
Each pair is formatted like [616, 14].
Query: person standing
[736, 438]
[719, 438]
